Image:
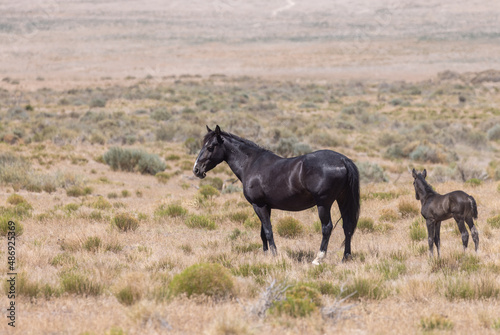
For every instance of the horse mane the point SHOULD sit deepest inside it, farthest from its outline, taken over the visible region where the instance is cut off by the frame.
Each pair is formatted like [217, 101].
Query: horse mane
[242, 140]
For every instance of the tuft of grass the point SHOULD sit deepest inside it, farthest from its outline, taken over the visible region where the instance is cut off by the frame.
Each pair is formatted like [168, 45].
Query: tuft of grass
[162, 177]
[300, 301]
[9, 223]
[78, 191]
[215, 182]
[208, 191]
[369, 288]
[16, 199]
[128, 295]
[408, 209]
[366, 225]
[252, 222]
[125, 222]
[208, 279]
[470, 289]
[389, 215]
[417, 230]
[200, 221]
[435, 322]
[289, 227]
[391, 269]
[92, 243]
[75, 283]
[494, 221]
[239, 216]
[101, 204]
[247, 248]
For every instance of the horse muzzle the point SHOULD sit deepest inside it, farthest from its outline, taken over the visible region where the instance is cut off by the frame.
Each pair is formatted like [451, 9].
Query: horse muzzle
[198, 173]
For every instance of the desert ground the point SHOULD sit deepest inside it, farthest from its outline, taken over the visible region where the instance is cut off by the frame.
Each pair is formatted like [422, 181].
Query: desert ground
[103, 106]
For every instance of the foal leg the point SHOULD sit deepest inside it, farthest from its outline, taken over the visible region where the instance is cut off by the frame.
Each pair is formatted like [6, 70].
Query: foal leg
[437, 236]
[473, 232]
[264, 214]
[326, 227]
[430, 236]
[463, 230]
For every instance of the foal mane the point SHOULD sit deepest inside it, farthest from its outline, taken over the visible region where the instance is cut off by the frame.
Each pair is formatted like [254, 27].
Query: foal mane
[427, 187]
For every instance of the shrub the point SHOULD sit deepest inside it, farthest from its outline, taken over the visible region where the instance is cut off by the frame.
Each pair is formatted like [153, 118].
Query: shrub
[408, 209]
[424, 153]
[172, 210]
[252, 222]
[371, 173]
[494, 221]
[200, 221]
[493, 133]
[365, 288]
[125, 222]
[391, 270]
[212, 280]
[208, 191]
[474, 182]
[133, 160]
[366, 225]
[288, 147]
[300, 301]
[289, 227]
[417, 231]
[435, 322]
[239, 216]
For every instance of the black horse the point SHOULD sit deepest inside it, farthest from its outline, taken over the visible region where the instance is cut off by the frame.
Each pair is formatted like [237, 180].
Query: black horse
[436, 208]
[291, 184]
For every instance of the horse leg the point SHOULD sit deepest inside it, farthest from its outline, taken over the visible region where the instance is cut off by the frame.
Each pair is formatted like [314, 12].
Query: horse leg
[264, 214]
[437, 236]
[463, 230]
[263, 237]
[326, 227]
[349, 224]
[430, 236]
[473, 231]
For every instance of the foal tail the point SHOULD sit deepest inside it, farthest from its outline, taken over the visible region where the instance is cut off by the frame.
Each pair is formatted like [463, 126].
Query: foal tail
[473, 207]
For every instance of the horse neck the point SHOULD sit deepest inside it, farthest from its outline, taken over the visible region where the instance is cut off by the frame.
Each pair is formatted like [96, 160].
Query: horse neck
[425, 193]
[240, 155]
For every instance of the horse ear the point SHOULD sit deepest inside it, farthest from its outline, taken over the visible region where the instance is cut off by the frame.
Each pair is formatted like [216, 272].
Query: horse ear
[414, 173]
[208, 129]
[218, 132]
[424, 173]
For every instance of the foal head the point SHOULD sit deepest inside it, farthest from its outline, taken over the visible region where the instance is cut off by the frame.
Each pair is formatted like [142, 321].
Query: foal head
[419, 183]
[211, 153]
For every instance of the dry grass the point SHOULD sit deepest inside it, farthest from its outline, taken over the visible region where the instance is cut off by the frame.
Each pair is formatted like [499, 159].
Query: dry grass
[96, 263]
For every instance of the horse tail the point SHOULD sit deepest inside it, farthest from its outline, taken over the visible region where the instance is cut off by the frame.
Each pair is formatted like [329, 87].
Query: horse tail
[351, 201]
[473, 207]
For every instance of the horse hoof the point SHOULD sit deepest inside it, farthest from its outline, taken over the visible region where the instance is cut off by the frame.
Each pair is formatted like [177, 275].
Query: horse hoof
[347, 258]
[318, 258]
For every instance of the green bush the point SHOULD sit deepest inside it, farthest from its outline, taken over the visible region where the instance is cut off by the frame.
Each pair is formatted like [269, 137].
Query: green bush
[128, 296]
[125, 222]
[162, 177]
[134, 160]
[101, 204]
[300, 301]
[215, 182]
[493, 133]
[289, 227]
[366, 288]
[5, 227]
[239, 216]
[474, 182]
[92, 243]
[212, 280]
[200, 221]
[78, 191]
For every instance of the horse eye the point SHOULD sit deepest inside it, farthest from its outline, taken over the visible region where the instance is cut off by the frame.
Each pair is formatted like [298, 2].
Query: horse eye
[211, 149]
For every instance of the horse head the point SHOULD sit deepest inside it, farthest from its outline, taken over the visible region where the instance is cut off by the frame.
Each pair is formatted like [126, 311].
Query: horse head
[419, 182]
[211, 153]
